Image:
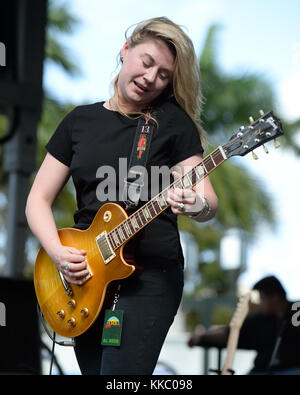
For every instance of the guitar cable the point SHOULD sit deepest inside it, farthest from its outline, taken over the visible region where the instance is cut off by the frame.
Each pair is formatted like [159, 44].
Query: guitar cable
[70, 343]
[52, 354]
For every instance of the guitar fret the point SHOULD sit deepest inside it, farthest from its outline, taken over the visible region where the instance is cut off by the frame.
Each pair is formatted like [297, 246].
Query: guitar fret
[156, 206]
[138, 220]
[121, 233]
[178, 184]
[186, 182]
[165, 196]
[219, 157]
[135, 224]
[147, 213]
[151, 209]
[123, 230]
[157, 201]
[189, 178]
[208, 164]
[211, 157]
[200, 174]
[142, 216]
[118, 236]
[162, 201]
[111, 241]
[115, 238]
[128, 230]
[129, 221]
[194, 176]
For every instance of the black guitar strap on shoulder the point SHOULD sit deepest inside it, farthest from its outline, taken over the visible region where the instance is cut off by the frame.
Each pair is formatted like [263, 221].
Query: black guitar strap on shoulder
[134, 181]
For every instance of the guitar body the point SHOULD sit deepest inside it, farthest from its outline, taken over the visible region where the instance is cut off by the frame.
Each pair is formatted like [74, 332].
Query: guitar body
[71, 315]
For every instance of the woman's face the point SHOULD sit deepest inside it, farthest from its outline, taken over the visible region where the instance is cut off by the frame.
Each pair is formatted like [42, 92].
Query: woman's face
[147, 70]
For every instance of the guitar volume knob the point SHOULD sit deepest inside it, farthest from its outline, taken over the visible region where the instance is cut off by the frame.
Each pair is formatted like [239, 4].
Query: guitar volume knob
[72, 322]
[85, 312]
[61, 314]
[72, 303]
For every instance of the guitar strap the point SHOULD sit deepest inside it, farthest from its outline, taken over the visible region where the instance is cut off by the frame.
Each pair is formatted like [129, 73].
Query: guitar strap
[134, 181]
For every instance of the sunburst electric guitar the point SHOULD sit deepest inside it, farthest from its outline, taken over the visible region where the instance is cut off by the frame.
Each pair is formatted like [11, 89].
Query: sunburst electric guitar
[235, 327]
[71, 309]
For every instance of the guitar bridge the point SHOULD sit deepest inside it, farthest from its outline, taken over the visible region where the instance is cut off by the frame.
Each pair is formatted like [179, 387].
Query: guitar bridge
[105, 248]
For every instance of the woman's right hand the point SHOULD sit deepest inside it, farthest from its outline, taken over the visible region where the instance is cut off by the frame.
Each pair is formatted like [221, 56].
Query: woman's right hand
[72, 263]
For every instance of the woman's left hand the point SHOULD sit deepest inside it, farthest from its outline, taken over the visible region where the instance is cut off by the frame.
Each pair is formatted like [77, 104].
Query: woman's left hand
[184, 201]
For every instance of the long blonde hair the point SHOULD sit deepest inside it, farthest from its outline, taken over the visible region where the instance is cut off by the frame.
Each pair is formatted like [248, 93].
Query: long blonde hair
[185, 86]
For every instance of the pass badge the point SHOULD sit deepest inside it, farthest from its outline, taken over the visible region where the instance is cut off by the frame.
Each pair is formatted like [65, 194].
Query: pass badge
[112, 328]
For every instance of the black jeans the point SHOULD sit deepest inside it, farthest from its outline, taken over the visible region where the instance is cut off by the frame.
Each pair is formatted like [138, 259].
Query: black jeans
[150, 302]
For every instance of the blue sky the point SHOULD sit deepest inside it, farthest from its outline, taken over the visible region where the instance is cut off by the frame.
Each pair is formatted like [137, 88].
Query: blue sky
[256, 36]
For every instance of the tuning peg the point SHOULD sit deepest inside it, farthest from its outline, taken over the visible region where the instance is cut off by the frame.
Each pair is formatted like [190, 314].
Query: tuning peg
[251, 119]
[262, 113]
[266, 149]
[254, 156]
[276, 143]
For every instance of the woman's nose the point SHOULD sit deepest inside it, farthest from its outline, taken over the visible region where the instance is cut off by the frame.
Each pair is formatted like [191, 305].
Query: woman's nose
[150, 75]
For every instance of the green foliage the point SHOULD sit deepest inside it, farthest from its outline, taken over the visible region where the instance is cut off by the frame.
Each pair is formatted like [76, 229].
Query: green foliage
[214, 277]
[192, 319]
[229, 99]
[60, 22]
[222, 315]
[244, 203]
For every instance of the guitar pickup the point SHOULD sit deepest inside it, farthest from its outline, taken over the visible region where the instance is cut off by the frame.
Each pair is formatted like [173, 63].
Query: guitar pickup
[105, 248]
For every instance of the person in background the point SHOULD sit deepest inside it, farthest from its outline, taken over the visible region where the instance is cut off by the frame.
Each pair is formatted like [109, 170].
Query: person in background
[269, 328]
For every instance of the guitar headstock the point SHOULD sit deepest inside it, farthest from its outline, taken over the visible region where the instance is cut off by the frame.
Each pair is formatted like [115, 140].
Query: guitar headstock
[240, 312]
[267, 127]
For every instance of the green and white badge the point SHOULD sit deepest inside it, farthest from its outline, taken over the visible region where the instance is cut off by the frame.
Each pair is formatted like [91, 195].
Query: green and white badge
[112, 328]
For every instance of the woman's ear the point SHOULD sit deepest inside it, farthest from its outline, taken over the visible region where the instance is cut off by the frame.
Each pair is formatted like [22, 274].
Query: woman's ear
[124, 51]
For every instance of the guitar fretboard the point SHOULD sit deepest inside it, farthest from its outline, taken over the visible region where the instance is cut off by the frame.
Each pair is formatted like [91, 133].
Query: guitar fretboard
[144, 215]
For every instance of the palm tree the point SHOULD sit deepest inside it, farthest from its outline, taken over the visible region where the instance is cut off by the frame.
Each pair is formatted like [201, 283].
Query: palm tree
[59, 22]
[244, 203]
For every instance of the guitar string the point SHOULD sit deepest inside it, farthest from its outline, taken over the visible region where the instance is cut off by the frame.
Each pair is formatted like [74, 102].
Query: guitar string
[206, 162]
[212, 158]
[137, 215]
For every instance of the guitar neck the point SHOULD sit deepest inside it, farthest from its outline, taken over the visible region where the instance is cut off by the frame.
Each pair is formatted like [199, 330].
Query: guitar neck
[147, 213]
[231, 348]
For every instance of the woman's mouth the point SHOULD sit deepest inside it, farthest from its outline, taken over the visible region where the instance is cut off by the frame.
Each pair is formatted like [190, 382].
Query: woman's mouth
[140, 88]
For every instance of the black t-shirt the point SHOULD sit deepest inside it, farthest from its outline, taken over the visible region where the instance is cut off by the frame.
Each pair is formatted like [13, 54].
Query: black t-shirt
[259, 332]
[96, 144]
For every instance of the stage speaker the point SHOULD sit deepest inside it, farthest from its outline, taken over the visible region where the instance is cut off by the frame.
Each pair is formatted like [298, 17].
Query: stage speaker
[19, 328]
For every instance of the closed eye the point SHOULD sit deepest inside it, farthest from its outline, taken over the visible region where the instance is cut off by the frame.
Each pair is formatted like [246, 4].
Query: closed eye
[163, 76]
